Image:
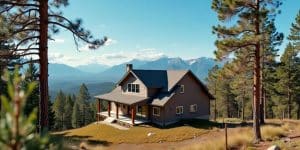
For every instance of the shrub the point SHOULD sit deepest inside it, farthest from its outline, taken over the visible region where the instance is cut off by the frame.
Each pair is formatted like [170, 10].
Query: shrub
[17, 130]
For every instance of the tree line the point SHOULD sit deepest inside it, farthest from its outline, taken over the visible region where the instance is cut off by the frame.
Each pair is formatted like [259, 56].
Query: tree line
[253, 83]
[66, 112]
[25, 28]
[73, 111]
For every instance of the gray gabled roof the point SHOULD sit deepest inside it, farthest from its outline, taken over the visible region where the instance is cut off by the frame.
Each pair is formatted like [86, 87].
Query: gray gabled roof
[165, 79]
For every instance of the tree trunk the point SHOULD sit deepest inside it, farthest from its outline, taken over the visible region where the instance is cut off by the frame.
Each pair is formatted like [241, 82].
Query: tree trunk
[215, 111]
[262, 100]
[289, 104]
[43, 55]
[243, 107]
[298, 113]
[256, 80]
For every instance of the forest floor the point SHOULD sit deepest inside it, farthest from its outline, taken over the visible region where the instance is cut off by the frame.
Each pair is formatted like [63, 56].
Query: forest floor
[191, 134]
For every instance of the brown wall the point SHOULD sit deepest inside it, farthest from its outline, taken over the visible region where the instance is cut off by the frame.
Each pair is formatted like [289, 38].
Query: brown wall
[193, 94]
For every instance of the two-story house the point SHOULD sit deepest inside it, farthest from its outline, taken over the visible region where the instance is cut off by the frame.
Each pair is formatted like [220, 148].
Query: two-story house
[162, 97]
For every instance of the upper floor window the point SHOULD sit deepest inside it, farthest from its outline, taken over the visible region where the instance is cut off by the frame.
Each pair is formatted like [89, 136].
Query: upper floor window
[181, 89]
[135, 88]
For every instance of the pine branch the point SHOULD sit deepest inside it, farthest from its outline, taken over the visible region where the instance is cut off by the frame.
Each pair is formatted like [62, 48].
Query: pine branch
[16, 3]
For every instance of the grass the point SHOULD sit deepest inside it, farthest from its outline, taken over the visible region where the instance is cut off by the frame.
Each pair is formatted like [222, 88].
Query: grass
[238, 137]
[242, 138]
[138, 134]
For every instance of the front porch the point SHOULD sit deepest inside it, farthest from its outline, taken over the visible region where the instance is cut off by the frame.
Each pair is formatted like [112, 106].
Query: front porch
[124, 118]
[127, 114]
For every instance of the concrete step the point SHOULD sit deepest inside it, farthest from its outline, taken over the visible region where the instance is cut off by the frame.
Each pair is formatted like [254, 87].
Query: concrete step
[109, 119]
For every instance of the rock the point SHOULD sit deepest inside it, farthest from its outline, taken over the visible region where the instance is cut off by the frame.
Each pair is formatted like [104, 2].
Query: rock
[150, 134]
[274, 147]
[285, 140]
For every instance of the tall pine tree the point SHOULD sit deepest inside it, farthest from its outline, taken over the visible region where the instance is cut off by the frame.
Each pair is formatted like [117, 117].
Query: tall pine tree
[59, 110]
[68, 112]
[288, 85]
[243, 34]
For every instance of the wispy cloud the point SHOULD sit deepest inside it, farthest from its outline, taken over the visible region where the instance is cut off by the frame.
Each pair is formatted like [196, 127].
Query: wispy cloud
[110, 42]
[57, 40]
[107, 58]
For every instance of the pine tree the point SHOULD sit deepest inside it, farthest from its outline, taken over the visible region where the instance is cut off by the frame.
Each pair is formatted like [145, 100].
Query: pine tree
[241, 85]
[59, 110]
[294, 36]
[33, 23]
[244, 34]
[288, 84]
[51, 115]
[31, 75]
[68, 112]
[212, 81]
[271, 39]
[76, 116]
[83, 100]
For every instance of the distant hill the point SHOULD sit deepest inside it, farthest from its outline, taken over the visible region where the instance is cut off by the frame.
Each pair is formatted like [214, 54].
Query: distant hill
[73, 88]
[102, 80]
[199, 66]
[92, 68]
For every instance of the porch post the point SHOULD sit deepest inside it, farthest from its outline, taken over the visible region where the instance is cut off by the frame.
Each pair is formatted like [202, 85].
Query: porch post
[108, 110]
[99, 110]
[149, 112]
[132, 114]
[117, 111]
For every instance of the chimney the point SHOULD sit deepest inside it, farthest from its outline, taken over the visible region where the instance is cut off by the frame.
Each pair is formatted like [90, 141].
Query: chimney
[128, 67]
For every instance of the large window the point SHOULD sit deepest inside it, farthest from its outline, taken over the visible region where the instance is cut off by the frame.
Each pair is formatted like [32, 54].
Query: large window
[156, 111]
[135, 88]
[193, 108]
[179, 110]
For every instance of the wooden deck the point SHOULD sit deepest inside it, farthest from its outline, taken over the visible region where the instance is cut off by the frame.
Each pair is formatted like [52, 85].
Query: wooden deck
[124, 118]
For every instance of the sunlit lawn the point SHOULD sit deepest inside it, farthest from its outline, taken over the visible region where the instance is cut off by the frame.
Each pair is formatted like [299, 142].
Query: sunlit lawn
[139, 134]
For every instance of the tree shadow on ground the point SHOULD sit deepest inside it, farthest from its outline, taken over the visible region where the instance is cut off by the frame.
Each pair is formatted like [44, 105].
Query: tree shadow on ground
[67, 141]
[206, 124]
[196, 123]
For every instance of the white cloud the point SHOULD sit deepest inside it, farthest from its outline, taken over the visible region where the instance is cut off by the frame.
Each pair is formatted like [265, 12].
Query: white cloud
[106, 58]
[84, 48]
[110, 42]
[57, 40]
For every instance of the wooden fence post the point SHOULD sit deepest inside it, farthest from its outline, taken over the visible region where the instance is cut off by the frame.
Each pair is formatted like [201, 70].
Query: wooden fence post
[226, 139]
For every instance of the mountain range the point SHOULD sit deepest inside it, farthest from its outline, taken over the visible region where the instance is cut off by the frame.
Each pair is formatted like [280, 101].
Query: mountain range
[98, 76]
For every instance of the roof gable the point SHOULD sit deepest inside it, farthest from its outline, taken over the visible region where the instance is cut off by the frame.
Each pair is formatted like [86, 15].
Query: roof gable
[164, 79]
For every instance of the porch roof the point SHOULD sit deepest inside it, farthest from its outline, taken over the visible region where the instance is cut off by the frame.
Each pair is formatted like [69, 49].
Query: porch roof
[119, 97]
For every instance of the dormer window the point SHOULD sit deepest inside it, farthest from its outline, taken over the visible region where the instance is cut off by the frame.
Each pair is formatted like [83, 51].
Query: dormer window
[134, 88]
[181, 89]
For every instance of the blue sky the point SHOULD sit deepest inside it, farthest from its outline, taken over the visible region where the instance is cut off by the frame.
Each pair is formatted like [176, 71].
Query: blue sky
[147, 29]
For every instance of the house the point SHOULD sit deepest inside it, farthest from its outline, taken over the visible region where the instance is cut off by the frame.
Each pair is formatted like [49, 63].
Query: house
[162, 97]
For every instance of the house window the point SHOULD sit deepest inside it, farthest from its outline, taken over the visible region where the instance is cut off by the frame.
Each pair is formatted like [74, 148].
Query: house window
[135, 88]
[179, 110]
[193, 108]
[129, 87]
[156, 111]
[181, 90]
